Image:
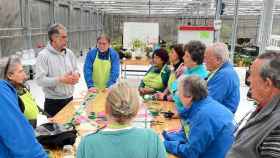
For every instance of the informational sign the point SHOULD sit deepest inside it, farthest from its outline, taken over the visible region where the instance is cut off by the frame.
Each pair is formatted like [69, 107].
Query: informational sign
[204, 34]
[146, 32]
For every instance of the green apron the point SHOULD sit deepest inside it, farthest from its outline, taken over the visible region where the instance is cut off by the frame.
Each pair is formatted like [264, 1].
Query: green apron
[171, 79]
[186, 128]
[101, 72]
[153, 80]
[30, 107]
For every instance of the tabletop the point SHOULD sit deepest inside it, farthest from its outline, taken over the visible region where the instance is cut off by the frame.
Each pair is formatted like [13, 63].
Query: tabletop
[159, 123]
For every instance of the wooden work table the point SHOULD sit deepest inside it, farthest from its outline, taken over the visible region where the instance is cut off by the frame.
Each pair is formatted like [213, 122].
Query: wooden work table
[143, 61]
[138, 67]
[98, 105]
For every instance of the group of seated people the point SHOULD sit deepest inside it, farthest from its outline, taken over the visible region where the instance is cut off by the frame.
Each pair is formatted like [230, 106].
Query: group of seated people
[200, 80]
[211, 63]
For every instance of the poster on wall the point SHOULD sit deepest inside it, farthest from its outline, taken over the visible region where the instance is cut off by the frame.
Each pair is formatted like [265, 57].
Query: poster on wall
[204, 34]
[147, 33]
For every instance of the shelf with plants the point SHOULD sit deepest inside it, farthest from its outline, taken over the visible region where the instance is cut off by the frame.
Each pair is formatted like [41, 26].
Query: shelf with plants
[138, 47]
[242, 60]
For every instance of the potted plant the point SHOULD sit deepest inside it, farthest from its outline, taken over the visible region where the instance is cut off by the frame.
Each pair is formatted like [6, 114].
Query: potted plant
[149, 52]
[138, 46]
[117, 47]
[127, 54]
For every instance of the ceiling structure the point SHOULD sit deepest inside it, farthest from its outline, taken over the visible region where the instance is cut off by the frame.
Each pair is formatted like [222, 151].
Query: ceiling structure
[176, 7]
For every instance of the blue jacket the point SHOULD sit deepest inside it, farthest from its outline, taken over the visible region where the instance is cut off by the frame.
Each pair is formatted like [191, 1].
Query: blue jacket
[208, 131]
[17, 139]
[115, 66]
[199, 70]
[224, 87]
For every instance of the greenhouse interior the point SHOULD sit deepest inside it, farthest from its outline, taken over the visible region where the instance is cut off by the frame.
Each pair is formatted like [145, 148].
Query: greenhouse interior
[145, 78]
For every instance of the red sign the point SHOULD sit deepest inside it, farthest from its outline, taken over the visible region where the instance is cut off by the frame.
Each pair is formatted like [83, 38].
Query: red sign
[197, 28]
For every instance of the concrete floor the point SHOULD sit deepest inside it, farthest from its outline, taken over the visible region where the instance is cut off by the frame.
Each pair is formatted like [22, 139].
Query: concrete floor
[244, 106]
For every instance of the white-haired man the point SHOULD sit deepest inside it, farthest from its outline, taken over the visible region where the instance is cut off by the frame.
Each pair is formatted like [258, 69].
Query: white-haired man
[223, 82]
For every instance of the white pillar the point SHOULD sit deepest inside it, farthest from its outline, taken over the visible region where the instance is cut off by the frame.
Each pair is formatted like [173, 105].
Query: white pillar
[234, 28]
[266, 25]
[27, 30]
[217, 17]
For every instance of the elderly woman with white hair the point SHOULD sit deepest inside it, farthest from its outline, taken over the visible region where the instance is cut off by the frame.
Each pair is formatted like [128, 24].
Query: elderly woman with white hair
[119, 138]
[14, 73]
[17, 136]
[207, 125]
[223, 82]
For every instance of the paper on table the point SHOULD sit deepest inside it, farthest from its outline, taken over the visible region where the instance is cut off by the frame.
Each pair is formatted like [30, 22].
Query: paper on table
[41, 119]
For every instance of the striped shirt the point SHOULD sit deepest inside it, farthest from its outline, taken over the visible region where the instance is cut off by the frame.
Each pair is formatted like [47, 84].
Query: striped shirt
[270, 147]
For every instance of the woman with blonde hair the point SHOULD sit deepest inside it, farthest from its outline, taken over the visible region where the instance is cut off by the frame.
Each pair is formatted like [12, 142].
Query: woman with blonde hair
[119, 138]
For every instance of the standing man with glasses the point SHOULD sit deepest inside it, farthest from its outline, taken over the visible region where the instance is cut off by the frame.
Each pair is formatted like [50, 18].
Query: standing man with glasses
[102, 65]
[56, 70]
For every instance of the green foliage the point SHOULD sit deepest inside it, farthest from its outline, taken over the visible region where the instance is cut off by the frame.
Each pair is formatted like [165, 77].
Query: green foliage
[168, 47]
[136, 43]
[148, 51]
[127, 54]
[242, 60]
[117, 45]
[226, 31]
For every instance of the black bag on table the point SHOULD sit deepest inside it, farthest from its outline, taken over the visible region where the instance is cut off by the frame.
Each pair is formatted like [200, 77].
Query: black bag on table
[53, 135]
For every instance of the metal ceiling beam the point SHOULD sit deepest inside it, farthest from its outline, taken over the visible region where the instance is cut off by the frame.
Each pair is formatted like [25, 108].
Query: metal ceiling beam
[178, 7]
[234, 28]
[145, 7]
[143, 2]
